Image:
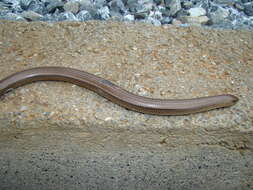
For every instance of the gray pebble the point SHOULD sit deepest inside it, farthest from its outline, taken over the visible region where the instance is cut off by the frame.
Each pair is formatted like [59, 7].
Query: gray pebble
[153, 21]
[31, 15]
[131, 5]
[117, 6]
[248, 9]
[173, 5]
[25, 4]
[239, 6]
[85, 4]
[104, 13]
[100, 3]
[53, 5]
[83, 15]
[194, 20]
[223, 13]
[71, 6]
[129, 17]
[198, 11]
[13, 16]
[66, 16]
[224, 1]
[219, 15]
[187, 4]
[38, 7]
[166, 20]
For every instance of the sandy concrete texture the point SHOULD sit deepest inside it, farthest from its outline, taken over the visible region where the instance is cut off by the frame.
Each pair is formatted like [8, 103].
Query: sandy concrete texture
[159, 62]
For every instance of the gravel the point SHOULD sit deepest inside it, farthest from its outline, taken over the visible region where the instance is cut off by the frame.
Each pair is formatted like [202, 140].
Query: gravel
[230, 14]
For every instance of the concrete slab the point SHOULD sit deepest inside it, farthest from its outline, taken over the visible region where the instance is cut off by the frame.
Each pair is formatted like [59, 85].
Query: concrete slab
[51, 131]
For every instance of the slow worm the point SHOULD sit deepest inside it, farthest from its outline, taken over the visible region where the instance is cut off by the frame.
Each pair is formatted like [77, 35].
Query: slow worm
[116, 94]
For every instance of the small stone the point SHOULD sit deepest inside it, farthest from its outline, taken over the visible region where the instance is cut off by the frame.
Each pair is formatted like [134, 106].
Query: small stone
[3, 7]
[132, 4]
[182, 13]
[31, 15]
[176, 22]
[248, 9]
[144, 7]
[239, 6]
[13, 16]
[165, 12]
[48, 114]
[129, 17]
[140, 90]
[213, 8]
[71, 6]
[219, 15]
[158, 2]
[166, 20]
[23, 108]
[100, 3]
[156, 14]
[153, 21]
[194, 20]
[13, 5]
[187, 4]
[104, 13]
[173, 5]
[38, 7]
[198, 11]
[115, 17]
[88, 6]
[83, 15]
[227, 2]
[53, 5]
[117, 6]
[85, 4]
[108, 118]
[140, 15]
[66, 16]
[24, 4]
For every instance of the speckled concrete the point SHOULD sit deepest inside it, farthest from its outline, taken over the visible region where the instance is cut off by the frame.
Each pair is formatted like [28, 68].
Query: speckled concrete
[159, 62]
[68, 160]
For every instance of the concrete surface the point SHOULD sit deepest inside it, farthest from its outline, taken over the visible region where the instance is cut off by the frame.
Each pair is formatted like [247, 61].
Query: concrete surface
[59, 136]
[69, 160]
